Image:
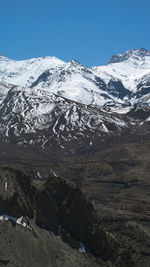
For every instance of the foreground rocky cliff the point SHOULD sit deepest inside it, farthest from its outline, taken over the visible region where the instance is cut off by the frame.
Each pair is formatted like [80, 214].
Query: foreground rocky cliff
[54, 211]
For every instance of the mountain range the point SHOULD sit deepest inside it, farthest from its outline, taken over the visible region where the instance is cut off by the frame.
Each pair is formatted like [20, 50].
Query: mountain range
[45, 100]
[124, 80]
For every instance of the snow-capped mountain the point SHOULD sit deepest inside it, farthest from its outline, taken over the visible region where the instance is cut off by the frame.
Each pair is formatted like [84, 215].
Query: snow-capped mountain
[46, 100]
[71, 80]
[40, 113]
[131, 68]
[25, 72]
[125, 80]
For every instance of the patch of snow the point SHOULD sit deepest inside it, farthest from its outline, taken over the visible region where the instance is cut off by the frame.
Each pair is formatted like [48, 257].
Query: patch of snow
[121, 109]
[105, 128]
[62, 146]
[62, 127]
[148, 119]
[53, 173]
[44, 143]
[82, 248]
[15, 220]
[39, 175]
[6, 184]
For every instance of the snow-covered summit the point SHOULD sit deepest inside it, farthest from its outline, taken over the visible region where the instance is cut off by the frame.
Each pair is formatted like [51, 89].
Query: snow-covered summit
[129, 68]
[24, 72]
[137, 54]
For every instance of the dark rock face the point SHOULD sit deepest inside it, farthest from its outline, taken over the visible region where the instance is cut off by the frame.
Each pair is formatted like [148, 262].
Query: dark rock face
[143, 88]
[41, 78]
[100, 83]
[139, 112]
[117, 89]
[60, 207]
[17, 202]
[4, 262]
[69, 211]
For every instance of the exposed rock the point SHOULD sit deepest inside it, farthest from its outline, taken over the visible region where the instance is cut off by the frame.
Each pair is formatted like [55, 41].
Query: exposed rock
[59, 207]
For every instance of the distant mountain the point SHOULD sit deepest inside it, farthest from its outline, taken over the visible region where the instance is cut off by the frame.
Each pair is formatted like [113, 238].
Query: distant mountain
[46, 101]
[133, 69]
[125, 80]
[136, 54]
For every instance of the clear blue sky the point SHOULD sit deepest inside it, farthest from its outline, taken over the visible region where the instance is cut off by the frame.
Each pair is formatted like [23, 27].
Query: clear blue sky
[89, 31]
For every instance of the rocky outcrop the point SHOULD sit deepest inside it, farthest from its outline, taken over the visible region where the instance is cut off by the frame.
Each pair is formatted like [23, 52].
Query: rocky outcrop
[60, 207]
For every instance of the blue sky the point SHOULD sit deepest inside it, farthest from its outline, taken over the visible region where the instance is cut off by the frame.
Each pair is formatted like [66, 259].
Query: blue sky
[90, 31]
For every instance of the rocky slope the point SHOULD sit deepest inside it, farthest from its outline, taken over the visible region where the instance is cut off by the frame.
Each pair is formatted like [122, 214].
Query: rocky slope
[39, 120]
[58, 207]
[35, 116]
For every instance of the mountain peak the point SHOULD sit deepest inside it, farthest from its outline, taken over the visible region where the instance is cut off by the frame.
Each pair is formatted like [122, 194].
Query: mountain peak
[136, 53]
[1, 55]
[75, 62]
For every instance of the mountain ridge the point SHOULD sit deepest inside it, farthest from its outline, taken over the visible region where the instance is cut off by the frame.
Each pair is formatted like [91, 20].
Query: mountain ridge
[141, 52]
[66, 102]
[122, 82]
